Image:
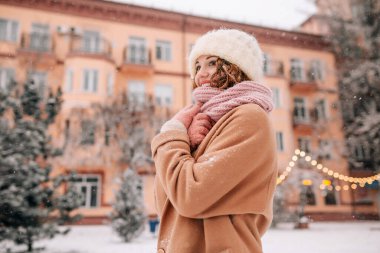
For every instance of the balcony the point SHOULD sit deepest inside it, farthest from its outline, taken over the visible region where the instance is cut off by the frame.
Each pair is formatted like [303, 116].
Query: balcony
[91, 47]
[302, 123]
[37, 42]
[274, 69]
[137, 60]
[303, 80]
[37, 47]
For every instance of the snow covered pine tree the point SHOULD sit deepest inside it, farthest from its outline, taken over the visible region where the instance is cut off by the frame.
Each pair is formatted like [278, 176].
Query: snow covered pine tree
[28, 193]
[128, 216]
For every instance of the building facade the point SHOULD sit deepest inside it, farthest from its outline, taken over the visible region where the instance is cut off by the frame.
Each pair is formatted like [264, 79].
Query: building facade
[97, 50]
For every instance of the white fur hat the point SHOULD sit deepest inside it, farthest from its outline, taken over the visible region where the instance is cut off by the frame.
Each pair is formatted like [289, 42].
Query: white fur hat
[233, 45]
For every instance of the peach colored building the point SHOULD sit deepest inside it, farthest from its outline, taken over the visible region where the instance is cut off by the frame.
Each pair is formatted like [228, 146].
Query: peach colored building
[96, 50]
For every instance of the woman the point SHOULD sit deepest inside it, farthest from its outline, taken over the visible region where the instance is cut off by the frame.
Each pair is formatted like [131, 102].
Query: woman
[215, 161]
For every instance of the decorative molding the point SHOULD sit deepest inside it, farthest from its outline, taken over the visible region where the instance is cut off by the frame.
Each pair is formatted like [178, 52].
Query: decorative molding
[168, 73]
[144, 16]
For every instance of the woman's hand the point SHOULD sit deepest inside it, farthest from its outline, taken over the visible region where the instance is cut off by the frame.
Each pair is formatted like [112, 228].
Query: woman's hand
[199, 128]
[187, 114]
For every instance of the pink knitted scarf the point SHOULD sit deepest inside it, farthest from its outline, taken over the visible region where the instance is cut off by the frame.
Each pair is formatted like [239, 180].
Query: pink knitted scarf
[217, 102]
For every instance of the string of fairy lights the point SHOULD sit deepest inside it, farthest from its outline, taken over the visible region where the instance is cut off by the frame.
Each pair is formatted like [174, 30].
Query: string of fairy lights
[349, 182]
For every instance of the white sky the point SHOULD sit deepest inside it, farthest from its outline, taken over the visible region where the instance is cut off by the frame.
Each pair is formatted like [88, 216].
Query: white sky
[283, 14]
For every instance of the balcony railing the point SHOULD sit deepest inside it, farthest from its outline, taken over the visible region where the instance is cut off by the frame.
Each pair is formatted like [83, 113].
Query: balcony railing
[303, 77]
[137, 55]
[37, 42]
[303, 120]
[274, 68]
[98, 46]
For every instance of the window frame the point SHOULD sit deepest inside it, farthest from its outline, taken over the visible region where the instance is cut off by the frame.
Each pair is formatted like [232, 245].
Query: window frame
[90, 80]
[11, 30]
[297, 70]
[137, 52]
[136, 91]
[69, 80]
[164, 50]
[300, 113]
[6, 76]
[165, 93]
[88, 185]
[280, 141]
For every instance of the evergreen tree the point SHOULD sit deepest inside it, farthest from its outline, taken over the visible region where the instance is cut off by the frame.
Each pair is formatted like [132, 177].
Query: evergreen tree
[128, 216]
[355, 40]
[31, 207]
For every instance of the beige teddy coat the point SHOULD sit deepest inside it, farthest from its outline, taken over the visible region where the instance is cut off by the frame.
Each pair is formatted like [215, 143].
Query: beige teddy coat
[218, 199]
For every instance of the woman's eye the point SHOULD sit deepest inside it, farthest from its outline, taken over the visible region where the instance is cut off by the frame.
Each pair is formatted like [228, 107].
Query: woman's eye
[212, 63]
[197, 68]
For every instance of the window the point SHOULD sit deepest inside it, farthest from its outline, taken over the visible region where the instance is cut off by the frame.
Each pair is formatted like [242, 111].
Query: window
[136, 91]
[137, 52]
[39, 79]
[163, 50]
[67, 130]
[40, 37]
[163, 95]
[88, 132]
[304, 144]
[309, 195]
[8, 30]
[191, 47]
[110, 84]
[300, 113]
[325, 149]
[320, 110]
[276, 97]
[107, 135]
[330, 195]
[91, 42]
[69, 82]
[280, 141]
[266, 64]
[296, 70]
[90, 80]
[6, 76]
[89, 186]
[361, 151]
[316, 70]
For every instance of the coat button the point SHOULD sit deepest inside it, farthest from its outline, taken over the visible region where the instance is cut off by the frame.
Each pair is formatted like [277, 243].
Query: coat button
[161, 251]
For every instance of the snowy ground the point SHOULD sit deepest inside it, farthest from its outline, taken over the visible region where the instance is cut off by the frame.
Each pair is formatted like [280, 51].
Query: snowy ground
[326, 237]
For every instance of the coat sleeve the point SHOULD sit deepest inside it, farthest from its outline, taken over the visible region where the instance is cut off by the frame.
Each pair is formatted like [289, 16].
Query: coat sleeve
[233, 176]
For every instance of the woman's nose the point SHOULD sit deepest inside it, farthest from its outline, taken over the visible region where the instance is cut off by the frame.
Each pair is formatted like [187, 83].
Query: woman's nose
[203, 72]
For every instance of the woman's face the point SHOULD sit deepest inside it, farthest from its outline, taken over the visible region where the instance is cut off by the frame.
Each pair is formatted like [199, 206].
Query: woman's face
[205, 67]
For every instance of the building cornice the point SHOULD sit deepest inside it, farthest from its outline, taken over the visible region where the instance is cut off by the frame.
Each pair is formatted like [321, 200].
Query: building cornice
[150, 17]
